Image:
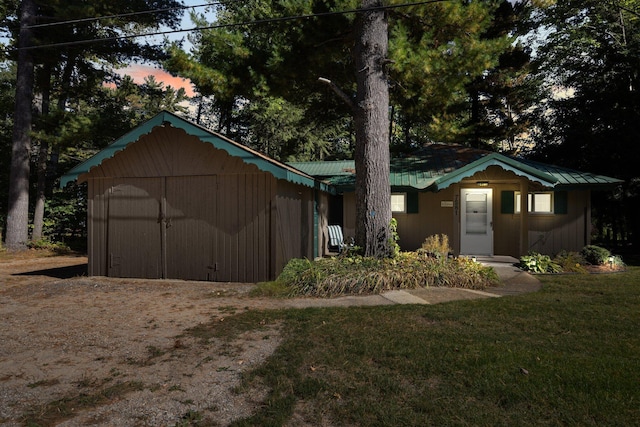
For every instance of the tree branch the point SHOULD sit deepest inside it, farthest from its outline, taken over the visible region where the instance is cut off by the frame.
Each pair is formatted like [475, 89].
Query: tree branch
[337, 91]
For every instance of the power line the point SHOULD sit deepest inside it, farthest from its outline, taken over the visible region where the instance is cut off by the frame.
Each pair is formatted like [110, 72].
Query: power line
[129, 14]
[231, 25]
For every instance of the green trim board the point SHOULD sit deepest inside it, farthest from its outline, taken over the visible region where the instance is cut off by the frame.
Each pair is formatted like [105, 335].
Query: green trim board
[495, 159]
[247, 155]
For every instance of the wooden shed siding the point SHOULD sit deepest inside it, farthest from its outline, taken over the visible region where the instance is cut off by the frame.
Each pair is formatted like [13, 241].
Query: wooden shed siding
[97, 226]
[294, 231]
[168, 151]
[191, 227]
[134, 207]
[245, 225]
[213, 215]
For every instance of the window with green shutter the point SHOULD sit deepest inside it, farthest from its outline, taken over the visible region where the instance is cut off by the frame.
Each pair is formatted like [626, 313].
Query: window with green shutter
[560, 202]
[412, 202]
[507, 202]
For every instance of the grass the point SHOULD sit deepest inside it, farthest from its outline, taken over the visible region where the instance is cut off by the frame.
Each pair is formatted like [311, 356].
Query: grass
[568, 354]
[55, 412]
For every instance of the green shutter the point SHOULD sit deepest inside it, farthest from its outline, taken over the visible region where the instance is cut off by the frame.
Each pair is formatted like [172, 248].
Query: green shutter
[507, 202]
[560, 202]
[412, 202]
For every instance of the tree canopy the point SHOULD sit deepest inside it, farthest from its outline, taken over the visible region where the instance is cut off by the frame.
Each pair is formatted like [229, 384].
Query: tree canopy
[589, 105]
[59, 59]
[435, 51]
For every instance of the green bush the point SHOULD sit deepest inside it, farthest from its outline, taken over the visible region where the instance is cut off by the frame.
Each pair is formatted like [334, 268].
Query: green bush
[44, 244]
[570, 262]
[538, 263]
[595, 255]
[355, 274]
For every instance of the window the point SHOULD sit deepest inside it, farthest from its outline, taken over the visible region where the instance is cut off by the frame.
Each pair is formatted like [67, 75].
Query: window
[398, 202]
[536, 202]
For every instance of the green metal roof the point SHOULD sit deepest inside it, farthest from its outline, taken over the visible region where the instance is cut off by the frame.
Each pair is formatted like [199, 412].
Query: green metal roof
[569, 178]
[437, 166]
[264, 163]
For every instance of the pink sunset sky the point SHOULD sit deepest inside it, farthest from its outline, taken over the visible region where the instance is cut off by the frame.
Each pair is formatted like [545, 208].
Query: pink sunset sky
[139, 71]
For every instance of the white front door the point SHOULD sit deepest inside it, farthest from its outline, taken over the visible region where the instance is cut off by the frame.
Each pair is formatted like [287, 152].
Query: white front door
[476, 222]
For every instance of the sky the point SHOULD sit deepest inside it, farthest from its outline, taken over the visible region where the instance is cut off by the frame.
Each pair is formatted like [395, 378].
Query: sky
[139, 71]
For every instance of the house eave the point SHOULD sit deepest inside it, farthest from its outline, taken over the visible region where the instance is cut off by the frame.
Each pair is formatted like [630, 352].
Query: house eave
[494, 159]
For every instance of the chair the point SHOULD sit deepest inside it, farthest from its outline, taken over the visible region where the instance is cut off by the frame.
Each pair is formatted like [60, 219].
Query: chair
[336, 238]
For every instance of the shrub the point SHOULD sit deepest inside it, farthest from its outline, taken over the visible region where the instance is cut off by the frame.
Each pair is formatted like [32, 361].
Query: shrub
[595, 255]
[436, 245]
[570, 262]
[538, 263]
[44, 244]
[356, 274]
[394, 247]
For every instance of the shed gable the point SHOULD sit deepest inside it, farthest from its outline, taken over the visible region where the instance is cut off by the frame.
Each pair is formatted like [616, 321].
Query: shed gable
[169, 151]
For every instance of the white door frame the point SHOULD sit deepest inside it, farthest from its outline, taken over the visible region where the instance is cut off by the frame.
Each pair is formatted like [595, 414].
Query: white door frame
[476, 221]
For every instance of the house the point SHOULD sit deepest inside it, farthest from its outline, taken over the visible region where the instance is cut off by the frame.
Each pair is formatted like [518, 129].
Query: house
[486, 203]
[173, 200]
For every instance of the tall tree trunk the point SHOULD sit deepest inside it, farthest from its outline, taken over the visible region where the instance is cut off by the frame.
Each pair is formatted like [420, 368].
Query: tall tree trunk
[18, 207]
[43, 156]
[373, 198]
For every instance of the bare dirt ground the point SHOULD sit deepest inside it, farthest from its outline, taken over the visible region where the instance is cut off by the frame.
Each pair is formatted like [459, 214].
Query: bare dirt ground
[111, 352]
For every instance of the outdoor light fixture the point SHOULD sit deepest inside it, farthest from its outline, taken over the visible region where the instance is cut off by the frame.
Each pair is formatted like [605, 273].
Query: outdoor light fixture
[474, 259]
[611, 261]
[482, 183]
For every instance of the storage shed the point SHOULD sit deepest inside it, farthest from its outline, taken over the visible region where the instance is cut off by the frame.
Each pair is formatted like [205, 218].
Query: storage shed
[173, 200]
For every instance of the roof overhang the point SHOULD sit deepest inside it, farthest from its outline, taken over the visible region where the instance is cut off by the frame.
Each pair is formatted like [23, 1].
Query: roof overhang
[494, 159]
[247, 155]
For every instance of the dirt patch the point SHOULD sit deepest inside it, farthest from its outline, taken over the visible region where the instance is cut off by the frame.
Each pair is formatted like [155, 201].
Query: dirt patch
[99, 351]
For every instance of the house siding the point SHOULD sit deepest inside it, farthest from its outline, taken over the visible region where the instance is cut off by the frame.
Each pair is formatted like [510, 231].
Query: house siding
[546, 233]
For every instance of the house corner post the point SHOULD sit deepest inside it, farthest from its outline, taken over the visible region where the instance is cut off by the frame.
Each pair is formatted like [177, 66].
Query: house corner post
[524, 217]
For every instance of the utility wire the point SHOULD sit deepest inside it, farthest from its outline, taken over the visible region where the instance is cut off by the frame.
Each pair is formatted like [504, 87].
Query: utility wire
[124, 15]
[231, 25]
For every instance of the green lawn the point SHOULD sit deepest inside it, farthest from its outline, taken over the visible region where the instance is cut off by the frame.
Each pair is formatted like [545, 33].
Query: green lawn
[567, 355]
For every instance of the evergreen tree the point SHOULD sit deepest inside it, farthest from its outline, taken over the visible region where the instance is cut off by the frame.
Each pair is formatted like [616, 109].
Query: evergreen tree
[67, 68]
[434, 51]
[590, 110]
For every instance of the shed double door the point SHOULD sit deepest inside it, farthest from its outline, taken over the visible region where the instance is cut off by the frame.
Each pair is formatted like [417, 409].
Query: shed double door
[213, 228]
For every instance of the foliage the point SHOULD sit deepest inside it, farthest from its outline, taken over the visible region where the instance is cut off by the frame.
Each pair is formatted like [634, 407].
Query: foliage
[435, 50]
[394, 247]
[273, 289]
[539, 263]
[570, 262]
[436, 245]
[56, 247]
[595, 255]
[588, 56]
[355, 274]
